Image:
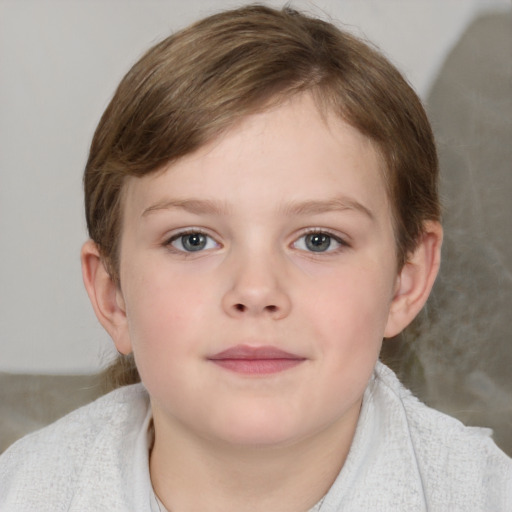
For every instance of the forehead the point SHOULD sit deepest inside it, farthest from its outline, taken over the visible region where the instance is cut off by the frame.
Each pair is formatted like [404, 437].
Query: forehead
[288, 153]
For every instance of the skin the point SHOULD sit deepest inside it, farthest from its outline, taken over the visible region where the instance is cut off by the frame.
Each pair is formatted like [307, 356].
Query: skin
[230, 440]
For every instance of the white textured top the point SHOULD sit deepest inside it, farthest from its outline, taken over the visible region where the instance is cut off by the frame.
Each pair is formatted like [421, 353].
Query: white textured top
[404, 457]
[161, 507]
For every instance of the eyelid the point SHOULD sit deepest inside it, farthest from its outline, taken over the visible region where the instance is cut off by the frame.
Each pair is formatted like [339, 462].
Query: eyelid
[177, 234]
[336, 236]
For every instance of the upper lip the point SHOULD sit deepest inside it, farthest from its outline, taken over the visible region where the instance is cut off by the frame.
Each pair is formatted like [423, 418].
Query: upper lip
[255, 353]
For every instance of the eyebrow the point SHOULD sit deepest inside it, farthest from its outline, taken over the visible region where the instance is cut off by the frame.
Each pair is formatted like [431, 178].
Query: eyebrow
[196, 206]
[310, 207]
[326, 206]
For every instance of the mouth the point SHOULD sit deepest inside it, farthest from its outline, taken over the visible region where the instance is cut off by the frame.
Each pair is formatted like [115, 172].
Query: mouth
[261, 360]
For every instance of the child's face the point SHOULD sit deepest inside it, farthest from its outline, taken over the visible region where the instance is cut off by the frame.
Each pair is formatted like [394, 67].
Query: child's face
[277, 237]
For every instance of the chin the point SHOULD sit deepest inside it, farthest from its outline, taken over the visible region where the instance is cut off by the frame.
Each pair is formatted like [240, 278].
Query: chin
[253, 427]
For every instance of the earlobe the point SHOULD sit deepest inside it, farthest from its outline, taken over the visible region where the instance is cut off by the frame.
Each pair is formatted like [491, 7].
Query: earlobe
[105, 296]
[415, 280]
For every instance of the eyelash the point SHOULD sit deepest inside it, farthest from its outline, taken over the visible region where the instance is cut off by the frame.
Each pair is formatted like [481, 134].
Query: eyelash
[342, 244]
[169, 242]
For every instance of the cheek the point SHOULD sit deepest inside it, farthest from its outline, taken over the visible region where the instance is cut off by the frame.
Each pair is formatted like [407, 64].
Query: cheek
[350, 314]
[160, 332]
[162, 313]
[159, 315]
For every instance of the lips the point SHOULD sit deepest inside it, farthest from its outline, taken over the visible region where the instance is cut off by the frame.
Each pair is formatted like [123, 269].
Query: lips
[260, 360]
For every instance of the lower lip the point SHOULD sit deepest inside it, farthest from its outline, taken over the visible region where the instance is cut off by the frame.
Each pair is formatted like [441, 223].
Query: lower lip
[257, 366]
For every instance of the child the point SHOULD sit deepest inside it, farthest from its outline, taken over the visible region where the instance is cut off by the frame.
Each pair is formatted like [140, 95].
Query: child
[261, 197]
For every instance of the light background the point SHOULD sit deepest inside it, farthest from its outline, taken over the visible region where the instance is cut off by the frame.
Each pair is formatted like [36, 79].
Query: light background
[60, 62]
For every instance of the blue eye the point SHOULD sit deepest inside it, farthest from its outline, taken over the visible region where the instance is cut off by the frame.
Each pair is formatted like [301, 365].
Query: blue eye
[318, 242]
[192, 242]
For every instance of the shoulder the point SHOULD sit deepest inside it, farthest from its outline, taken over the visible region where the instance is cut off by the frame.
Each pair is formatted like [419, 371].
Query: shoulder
[455, 462]
[53, 461]
[78, 429]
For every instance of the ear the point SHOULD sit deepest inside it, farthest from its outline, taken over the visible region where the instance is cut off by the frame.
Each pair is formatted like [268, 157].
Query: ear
[415, 280]
[105, 296]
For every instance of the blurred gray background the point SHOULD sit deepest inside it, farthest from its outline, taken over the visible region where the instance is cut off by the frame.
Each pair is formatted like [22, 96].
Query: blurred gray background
[462, 360]
[59, 64]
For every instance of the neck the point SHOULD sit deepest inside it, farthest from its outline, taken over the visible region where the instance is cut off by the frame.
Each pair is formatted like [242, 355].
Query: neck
[190, 473]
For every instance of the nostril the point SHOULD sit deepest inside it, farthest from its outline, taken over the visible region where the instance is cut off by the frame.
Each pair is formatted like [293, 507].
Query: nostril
[242, 308]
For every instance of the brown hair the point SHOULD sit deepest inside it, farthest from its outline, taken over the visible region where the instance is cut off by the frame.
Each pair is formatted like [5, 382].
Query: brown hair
[198, 82]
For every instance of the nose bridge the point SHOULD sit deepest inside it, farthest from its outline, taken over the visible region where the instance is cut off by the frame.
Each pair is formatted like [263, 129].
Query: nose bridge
[256, 282]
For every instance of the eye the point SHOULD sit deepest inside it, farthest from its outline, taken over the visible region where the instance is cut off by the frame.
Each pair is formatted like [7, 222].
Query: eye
[192, 242]
[318, 241]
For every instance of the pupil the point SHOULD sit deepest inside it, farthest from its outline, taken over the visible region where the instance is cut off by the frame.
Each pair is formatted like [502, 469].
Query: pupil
[318, 242]
[194, 242]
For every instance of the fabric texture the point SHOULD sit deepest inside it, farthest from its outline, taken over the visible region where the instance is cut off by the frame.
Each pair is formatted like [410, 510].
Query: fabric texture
[404, 456]
[161, 507]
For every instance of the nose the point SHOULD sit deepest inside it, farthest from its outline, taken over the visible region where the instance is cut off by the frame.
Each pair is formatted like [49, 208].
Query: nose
[256, 289]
